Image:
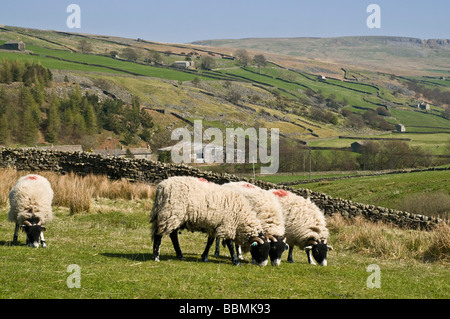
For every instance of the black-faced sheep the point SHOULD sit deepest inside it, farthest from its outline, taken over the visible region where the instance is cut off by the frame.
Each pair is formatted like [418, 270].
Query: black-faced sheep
[194, 204]
[305, 226]
[31, 208]
[269, 212]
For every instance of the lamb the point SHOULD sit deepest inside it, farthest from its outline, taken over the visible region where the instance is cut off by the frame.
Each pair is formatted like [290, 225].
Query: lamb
[31, 208]
[269, 212]
[184, 202]
[305, 226]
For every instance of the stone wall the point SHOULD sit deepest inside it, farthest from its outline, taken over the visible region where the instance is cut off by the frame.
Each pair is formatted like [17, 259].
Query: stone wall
[154, 172]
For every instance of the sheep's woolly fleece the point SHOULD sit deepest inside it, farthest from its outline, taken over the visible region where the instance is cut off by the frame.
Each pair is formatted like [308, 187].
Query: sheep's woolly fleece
[197, 205]
[304, 221]
[32, 196]
[265, 204]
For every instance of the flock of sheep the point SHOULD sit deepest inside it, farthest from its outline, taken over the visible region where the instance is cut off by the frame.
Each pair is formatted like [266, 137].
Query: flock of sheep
[264, 222]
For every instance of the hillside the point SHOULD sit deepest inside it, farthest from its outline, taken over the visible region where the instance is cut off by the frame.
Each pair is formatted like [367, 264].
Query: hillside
[383, 54]
[308, 100]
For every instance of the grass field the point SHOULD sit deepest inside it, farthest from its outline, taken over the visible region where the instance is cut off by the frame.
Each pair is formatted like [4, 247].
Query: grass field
[111, 246]
[394, 191]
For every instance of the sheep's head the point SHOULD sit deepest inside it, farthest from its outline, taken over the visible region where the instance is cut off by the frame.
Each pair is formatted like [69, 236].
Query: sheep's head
[319, 250]
[33, 228]
[259, 249]
[277, 247]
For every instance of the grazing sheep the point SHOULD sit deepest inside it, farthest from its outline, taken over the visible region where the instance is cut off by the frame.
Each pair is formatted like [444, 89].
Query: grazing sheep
[305, 226]
[269, 212]
[184, 202]
[31, 208]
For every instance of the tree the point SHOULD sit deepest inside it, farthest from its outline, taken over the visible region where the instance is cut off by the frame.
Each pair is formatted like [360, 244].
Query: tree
[243, 56]
[154, 56]
[260, 61]
[207, 63]
[130, 54]
[84, 46]
[53, 120]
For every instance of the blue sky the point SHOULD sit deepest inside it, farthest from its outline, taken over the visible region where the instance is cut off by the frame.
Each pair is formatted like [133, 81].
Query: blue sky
[181, 21]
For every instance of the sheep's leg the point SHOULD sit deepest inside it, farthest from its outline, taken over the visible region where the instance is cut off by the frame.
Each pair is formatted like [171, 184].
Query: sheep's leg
[176, 244]
[310, 259]
[290, 259]
[207, 248]
[16, 233]
[44, 245]
[156, 245]
[234, 258]
[239, 252]
[217, 252]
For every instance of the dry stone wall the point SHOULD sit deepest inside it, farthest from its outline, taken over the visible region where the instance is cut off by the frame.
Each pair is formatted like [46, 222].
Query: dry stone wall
[153, 172]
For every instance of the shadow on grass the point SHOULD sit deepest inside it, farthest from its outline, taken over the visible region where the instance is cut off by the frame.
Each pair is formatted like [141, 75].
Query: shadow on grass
[11, 243]
[149, 257]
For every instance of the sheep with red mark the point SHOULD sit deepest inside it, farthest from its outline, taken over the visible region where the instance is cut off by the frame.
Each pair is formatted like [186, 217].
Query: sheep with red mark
[31, 208]
[269, 212]
[184, 202]
[305, 226]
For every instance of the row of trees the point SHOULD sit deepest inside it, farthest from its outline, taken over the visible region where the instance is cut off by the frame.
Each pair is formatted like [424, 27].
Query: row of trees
[436, 95]
[374, 156]
[27, 72]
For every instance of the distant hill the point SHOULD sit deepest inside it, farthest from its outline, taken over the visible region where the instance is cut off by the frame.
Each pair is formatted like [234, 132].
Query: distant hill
[382, 53]
[101, 96]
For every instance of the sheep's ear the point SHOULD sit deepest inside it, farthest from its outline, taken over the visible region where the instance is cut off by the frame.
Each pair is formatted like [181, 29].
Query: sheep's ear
[308, 248]
[43, 228]
[330, 247]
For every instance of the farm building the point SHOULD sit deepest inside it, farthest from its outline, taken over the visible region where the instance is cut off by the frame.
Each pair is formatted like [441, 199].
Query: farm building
[184, 64]
[400, 128]
[58, 148]
[200, 152]
[17, 46]
[357, 147]
[424, 106]
[322, 78]
[138, 152]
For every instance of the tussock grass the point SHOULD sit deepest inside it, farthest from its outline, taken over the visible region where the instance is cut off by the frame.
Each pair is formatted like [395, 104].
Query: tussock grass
[385, 241]
[76, 192]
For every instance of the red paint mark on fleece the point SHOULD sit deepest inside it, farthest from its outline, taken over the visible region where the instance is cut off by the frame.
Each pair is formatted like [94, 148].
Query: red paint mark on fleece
[248, 185]
[201, 179]
[32, 177]
[280, 193]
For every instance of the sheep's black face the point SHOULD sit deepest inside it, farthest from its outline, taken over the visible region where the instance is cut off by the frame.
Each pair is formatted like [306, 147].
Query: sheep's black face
[33, 234]
[260, 251]
[277, 247]
[319, 252]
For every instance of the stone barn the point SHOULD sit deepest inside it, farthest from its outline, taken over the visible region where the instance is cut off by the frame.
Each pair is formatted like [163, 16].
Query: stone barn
[400, 128]
[17, 46]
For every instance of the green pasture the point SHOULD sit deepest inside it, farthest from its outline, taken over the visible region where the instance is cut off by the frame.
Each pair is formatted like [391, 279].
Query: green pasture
[386, 190]
[112, 249]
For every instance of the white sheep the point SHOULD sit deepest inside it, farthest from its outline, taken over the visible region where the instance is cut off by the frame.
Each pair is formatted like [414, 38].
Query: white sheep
[269, 211]
[184, 202]
[31, 207]
[305, 226]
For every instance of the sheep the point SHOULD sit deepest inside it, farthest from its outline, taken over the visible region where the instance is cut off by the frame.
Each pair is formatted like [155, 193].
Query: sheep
[269, 212]
[184, 202]
[305, 226]
[31, 208]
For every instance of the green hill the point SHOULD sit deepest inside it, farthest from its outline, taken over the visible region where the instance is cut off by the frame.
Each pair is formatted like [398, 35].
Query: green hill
[308, 100]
